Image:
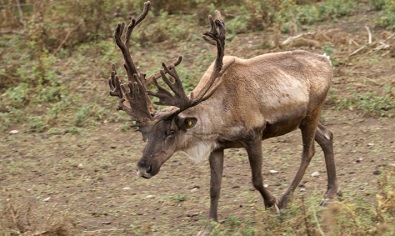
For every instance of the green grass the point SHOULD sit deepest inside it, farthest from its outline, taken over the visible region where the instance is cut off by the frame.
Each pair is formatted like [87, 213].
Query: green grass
[371, 103]
[66, 92]
[304, 217]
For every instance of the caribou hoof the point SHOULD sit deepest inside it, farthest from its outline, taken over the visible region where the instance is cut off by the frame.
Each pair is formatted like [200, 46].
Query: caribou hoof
[285, 199]
[324, 202]
[329, 196]
[278, 212]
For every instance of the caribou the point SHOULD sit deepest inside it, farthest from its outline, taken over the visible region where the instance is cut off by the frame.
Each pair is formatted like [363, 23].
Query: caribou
[237, 104]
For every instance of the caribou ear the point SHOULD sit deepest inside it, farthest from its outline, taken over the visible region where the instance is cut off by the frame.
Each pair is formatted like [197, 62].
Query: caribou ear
[186, 123]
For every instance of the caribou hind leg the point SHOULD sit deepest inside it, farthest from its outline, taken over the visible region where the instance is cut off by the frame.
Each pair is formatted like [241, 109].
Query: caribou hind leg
[324, 138]
[308, 128]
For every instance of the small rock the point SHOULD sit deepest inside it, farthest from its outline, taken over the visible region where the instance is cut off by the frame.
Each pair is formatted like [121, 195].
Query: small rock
[46, 199]
[377, 172]
[80, 166]
[126, 188]
[273, 171]
[359, 160]
[370, 144]
[265, 185]
[315, 174]
[149, 196]
[14, 131]
[302, 190]
[192, 214]
[194, 190]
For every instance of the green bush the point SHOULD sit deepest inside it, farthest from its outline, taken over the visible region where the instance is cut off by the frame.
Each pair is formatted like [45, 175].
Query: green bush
[387, 15]
[371, 103]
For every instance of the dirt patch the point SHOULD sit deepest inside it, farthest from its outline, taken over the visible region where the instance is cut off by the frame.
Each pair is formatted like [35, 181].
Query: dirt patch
[94, 175]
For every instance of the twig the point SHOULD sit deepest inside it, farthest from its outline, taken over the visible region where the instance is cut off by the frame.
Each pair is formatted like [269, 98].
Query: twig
[103, 230]
[317, 222]
[18, 5]
[382, 46]
[352, 41]
[369, 34]
[11, 31]
[357, 51]
[291, 38]
[39, 233]
[66, 38]
[306, 218]
[390, 37]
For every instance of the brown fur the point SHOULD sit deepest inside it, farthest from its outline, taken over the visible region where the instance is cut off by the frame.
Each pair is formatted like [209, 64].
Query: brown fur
[276, 90]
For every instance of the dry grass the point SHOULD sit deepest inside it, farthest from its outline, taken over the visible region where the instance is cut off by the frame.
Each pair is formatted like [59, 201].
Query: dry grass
[18, 217]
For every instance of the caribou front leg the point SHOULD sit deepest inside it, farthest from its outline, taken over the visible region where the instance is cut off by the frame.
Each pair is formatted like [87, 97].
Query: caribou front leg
[254, 151]
[216, 165]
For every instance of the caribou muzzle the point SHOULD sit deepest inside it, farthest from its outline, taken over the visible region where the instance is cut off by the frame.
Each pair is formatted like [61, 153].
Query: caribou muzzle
[146, 170]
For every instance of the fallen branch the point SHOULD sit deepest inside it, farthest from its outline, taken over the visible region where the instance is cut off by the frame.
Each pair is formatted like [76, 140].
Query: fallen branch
[66, 38]
[357, 51]
[292, 38]
[382, 46]
[390, 37]
[369, 34]
[21, 21]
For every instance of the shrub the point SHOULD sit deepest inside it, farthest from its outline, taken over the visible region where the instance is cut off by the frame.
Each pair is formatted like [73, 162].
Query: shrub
[386, 17]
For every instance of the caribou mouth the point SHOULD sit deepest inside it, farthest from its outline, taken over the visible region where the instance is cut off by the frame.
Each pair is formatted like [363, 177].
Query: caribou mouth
[145, 173]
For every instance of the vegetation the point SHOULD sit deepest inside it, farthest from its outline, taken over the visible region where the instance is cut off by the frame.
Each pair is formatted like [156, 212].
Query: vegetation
[41, 83]
[56, 58]
[386, 16]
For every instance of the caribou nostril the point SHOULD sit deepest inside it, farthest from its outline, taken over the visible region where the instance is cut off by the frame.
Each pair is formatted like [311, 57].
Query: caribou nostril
[149, 170]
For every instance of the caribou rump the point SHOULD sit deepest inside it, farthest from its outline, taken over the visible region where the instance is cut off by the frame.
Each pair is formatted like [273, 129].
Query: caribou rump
[237, 104]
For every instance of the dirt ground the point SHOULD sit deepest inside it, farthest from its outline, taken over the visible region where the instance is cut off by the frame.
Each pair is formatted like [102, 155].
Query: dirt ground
[92, 175]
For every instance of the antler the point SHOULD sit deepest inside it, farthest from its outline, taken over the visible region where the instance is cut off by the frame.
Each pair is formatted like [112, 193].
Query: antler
[133, 97]
[134, 92]
[216, 36]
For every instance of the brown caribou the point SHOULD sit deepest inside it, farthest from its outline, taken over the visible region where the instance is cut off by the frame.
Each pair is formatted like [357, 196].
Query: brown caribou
[237, 104]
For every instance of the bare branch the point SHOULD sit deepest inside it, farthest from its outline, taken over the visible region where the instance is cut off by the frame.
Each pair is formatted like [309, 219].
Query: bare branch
[369, 34]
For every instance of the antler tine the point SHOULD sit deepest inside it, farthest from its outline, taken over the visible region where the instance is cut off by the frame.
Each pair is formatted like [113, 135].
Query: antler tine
[179, 99]
[217, 37]
[133, 98]
[129, 64]
[134, 22]
[158, 75]
[115, 85]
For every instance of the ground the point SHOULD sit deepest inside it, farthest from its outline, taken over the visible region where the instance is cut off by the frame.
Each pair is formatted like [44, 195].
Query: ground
[91, 176]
